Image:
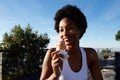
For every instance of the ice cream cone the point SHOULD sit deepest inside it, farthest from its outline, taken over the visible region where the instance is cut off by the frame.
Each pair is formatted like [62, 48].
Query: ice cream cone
[60, 46]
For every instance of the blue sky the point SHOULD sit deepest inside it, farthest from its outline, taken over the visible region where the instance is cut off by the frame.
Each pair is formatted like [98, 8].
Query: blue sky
[103, 17]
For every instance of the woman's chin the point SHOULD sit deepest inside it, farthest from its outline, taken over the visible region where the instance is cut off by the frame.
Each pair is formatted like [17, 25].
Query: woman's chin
[68, 43]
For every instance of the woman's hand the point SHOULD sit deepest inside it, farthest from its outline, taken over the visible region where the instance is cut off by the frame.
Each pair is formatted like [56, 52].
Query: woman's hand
[56, 63]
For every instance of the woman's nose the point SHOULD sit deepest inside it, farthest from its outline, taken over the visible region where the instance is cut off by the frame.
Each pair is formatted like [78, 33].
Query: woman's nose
[65, 32]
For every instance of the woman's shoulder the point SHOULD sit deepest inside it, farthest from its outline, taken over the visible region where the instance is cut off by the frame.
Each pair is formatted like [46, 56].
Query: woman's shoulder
[51, 49]
[90, 51]
[91, 54]
[48, 53]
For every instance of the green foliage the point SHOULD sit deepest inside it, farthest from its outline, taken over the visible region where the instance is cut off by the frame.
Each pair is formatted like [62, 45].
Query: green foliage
[117, 36]
[105, 51]
[27, 50]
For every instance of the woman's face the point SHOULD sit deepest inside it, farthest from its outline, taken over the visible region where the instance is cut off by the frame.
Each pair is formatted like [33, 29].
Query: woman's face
[69, 32]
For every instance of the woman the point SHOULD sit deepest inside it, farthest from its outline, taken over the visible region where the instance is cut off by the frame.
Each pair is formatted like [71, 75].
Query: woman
[71, 24]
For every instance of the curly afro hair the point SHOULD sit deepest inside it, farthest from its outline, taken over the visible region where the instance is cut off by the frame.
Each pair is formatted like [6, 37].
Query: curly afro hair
[71, 11]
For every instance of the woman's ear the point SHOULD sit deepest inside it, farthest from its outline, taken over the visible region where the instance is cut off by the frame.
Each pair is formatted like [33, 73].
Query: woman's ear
[80, 33]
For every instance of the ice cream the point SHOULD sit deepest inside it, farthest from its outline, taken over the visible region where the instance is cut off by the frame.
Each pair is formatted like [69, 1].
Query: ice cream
[61, 46]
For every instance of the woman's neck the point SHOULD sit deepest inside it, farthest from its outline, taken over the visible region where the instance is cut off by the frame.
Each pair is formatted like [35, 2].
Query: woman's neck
[72, 49]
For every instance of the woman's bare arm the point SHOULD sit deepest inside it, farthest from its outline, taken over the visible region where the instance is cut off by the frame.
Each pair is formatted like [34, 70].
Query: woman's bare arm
[46, 67]
[94, 65]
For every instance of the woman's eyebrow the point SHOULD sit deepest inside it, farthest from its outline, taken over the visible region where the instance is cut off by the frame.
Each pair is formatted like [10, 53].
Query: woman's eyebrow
[67, 24]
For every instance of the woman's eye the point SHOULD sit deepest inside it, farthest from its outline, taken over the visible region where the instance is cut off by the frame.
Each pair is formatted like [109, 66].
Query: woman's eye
[71, 27]
[61, 30]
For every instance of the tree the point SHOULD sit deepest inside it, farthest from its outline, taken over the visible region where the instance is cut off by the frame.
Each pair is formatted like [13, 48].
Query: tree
[117, 36]
[105, 51]
[27, 50]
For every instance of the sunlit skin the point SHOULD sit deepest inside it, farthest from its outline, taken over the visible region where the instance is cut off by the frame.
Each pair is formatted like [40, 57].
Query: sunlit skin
[68, 31]
[69, 34]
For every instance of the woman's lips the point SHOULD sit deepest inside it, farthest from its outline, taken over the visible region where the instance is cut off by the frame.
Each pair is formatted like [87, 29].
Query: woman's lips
[66, 39]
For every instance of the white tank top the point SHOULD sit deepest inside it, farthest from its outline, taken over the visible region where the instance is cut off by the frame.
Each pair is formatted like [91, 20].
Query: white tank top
[68, 74]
